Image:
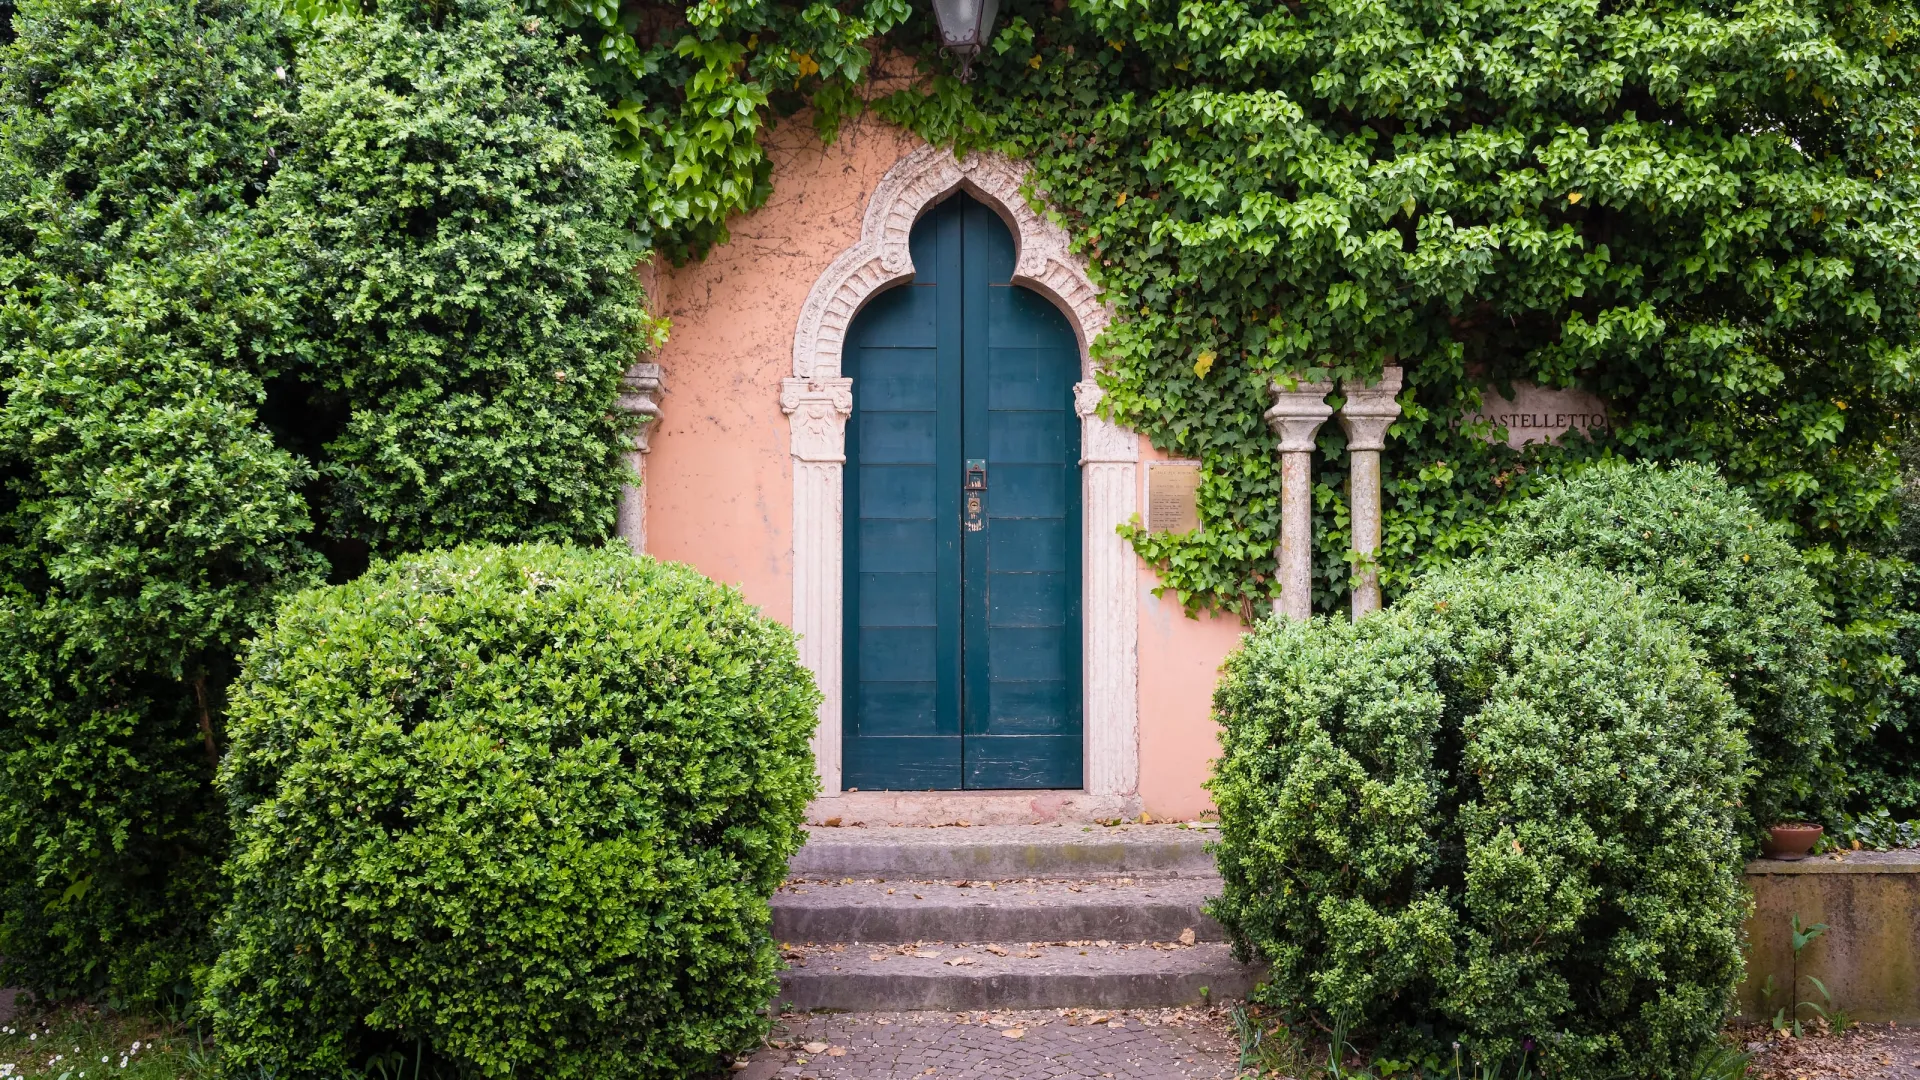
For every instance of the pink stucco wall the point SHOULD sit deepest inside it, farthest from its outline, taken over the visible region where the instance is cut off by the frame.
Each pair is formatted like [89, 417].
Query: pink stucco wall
[720, 486]
[719, 480]
[1180, 661]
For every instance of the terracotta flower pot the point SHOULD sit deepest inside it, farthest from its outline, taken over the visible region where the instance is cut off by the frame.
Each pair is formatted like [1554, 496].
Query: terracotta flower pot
[1790, 842]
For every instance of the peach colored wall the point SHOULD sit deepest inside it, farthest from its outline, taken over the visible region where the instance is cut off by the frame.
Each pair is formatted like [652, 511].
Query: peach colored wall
[1179, 663]
[719, 478]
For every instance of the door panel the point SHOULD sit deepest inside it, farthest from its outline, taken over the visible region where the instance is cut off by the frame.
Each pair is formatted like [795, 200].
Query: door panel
[963, 641]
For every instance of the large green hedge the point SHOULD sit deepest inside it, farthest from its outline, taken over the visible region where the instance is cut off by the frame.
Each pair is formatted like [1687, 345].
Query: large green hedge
[1501, 810]
[454, 213]
[260, 304]
[148, 521]
[521, 806]
[1728, 575]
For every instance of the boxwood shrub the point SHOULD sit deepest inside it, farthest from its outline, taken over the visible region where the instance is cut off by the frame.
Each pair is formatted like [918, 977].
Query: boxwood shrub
[148, 520]
[1502, 810]
[1728, 575]
[521, 808]
[457, 215]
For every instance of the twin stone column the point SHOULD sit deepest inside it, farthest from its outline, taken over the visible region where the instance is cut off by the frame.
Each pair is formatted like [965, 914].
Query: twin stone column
[1297, 413]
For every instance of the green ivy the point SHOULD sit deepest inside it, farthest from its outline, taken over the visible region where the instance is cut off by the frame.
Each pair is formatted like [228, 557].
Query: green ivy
[691, 86]
[1708, 215]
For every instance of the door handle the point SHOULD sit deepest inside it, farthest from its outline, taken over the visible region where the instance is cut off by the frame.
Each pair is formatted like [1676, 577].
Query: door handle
[974, 491]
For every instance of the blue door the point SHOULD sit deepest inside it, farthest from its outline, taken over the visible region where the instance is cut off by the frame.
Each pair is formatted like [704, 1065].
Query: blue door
[963, 524]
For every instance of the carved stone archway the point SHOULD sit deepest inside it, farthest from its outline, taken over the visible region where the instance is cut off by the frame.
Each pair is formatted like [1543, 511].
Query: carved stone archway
[818, 399]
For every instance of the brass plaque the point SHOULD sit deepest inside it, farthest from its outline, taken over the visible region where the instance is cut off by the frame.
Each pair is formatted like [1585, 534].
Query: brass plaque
[1172, 496]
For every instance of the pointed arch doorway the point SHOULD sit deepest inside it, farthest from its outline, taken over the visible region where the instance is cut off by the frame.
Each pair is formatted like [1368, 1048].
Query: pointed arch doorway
[962, 576]
[818, 400]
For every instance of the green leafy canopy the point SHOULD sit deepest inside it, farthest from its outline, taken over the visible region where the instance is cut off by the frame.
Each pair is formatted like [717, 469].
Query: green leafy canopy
[1705, 212]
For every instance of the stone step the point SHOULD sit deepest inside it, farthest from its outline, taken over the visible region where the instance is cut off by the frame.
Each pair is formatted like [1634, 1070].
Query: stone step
[1002, 852]
[1123, 909]
[1045, 976]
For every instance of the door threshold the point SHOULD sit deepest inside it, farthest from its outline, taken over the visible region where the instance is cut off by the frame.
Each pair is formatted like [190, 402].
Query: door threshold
[879, 808]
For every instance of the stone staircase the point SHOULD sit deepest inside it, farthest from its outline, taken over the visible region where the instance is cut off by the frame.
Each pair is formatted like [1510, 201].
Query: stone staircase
[1003, 917]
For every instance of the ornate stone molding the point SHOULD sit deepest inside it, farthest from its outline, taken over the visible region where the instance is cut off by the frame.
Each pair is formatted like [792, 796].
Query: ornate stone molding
[1297, 414]
[1045, 262]
[818, 399]
[1101, 439]
[817, 409]
[640, 390]
[1370, 410]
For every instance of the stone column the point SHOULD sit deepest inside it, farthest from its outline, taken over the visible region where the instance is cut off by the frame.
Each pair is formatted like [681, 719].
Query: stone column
[1110, 481]
[1296, 415]
[1369, 411]
[817, 410]
[640, 389]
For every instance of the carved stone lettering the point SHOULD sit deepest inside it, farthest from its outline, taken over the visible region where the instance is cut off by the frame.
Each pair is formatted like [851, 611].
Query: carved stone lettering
[1537, 414]
[1173, 489]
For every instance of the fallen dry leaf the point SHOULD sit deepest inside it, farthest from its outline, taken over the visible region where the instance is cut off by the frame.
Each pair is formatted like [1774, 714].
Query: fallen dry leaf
[836, 1051]
[1014, 1033]
[928, 954]
[960, 961]
[1187, 936]
[1103, 943]
[997, 950]
[814, 1047]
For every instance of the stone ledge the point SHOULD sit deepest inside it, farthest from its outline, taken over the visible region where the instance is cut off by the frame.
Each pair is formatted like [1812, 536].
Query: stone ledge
[1869, 955]
[1901, 861]
[879, 808]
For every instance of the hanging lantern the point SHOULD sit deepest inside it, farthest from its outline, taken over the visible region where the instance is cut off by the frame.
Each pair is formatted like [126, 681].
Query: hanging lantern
[965, 26]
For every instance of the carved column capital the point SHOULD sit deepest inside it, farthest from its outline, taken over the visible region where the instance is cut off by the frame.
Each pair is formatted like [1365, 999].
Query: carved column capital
[640, 390]
[1086, 397]
[1370, 410]
[1298, 413]
[1101, 439]
[818, 411]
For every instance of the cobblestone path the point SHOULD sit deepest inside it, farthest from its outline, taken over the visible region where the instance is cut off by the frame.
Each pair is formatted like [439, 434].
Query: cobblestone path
[1162, 1044]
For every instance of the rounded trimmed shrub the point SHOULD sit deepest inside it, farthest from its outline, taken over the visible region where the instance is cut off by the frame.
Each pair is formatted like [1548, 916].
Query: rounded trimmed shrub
[518, 811]
[1500, 811]
[1728, 575]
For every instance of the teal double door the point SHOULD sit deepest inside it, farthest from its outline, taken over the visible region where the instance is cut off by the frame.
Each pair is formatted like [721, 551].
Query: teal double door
[962, 591]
